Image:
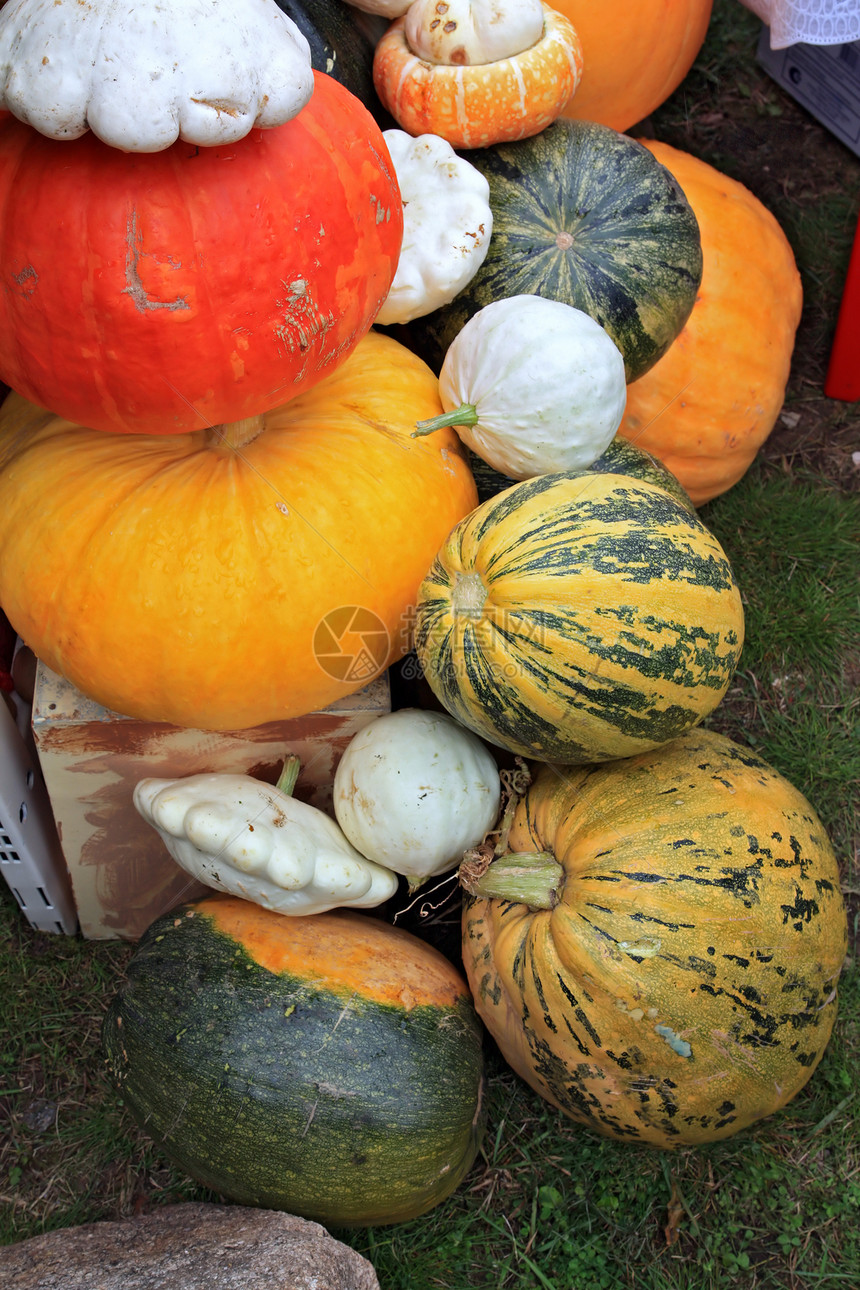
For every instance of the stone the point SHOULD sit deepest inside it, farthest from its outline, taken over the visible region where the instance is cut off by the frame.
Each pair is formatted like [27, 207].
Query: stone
[188, 1247]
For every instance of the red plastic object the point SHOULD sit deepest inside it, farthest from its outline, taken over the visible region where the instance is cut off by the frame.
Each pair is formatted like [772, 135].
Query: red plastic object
[843, 371]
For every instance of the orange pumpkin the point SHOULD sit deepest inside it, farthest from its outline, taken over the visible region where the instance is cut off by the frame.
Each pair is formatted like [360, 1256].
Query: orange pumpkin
[635, 53]
[474, 106]
[163, 292]
[713, 398]
[213, 583]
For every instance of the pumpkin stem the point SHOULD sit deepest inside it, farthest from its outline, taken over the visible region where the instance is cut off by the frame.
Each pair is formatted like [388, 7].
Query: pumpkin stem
[289, 774]
[465, 415]
[469, 595]
[530, 878]
[236, 434]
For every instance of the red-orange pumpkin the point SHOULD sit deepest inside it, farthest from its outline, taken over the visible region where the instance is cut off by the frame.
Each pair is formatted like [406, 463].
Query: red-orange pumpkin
[165, 292]
[635, 53]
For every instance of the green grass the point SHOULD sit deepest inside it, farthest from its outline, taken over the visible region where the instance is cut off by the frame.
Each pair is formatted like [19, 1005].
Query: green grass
[794, 544]
[546, 1206]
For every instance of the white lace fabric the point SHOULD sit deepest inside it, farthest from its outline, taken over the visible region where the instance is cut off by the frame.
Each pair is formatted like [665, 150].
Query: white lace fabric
[810, 22]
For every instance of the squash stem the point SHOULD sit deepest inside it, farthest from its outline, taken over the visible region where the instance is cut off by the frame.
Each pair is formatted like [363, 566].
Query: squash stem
[289, 774]
[469, 595]
[532, 878]
[236, 434]
[465, 415]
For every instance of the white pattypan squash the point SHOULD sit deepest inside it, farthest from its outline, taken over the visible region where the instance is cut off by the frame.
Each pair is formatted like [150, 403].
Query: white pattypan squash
[142, 75]
[447, 224]
[414, 790]
[458, 33]
[239, 835]
[532, 386]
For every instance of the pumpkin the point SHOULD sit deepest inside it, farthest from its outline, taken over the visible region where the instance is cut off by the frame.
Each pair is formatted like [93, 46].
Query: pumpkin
[206, 582]
[635, 54]
[164, 293]
[471, 104]
[579, 617]
[620, 458]
[709, 404]
[657, 953]
[329, 1066]
[203, 72]
[532, 386]
[587, 216]
[413, 791]
[255, 840]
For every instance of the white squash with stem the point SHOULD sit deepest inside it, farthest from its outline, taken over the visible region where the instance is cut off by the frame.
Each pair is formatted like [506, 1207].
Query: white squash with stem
[239, 835]
[532, 386]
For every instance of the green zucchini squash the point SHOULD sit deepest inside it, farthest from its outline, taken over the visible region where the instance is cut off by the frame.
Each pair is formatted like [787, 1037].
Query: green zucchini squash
[329, 1066]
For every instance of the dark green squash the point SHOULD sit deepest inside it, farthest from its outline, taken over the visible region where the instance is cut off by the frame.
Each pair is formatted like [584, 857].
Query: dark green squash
[327, 1065]
[342, 41]
[584, 215]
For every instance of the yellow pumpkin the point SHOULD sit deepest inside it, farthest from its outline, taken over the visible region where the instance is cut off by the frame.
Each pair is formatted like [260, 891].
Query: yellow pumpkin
[658, 952]
[635, 54]
[706, 407]
[217, 580]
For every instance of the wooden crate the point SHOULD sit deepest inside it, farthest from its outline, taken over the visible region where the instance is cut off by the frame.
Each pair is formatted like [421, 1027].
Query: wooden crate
[91, 758]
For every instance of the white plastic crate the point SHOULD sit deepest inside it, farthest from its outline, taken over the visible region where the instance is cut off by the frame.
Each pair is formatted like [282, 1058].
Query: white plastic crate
[31, 859]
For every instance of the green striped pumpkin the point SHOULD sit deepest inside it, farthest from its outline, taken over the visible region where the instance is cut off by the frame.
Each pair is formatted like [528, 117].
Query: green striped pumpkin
[588, 216]
[658, 952]
[579, 617]
[327, 1065]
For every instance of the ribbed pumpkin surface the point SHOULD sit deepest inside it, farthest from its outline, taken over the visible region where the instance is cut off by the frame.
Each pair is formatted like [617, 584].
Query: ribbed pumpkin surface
[179, 578]
[579, 617]
[329, 1065]
[685, 983]
[709, 404]
[584, 215]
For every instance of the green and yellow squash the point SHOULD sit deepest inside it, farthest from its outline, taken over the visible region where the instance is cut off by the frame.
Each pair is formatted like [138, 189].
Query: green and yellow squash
[588, 216]
[579, 617]
[329, 1066]
[621, 458]
[658, 952]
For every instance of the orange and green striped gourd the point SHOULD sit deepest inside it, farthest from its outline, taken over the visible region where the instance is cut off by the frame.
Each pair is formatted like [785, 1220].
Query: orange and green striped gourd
[657, 953]
[580, 617]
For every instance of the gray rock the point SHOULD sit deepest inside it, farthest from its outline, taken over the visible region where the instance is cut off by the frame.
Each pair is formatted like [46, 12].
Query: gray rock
[188, 1247]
